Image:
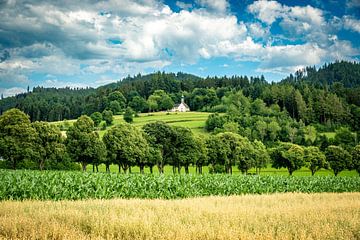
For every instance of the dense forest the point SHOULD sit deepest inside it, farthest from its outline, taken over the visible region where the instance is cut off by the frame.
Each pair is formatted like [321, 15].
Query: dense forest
[329, 95]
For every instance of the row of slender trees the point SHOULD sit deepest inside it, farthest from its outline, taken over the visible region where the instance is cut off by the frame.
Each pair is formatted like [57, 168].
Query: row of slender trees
[156, 144]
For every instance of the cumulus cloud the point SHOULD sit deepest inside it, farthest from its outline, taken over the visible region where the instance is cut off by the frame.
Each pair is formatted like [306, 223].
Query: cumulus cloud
[257, 30]
[147, 31]
[295, 21]
[351, 23]
[282, 59]
[104, 38]
[214, 5]
[267, 11]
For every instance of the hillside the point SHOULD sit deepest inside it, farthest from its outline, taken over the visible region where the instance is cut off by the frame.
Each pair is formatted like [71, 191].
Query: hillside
[327, 95]
[345, 73]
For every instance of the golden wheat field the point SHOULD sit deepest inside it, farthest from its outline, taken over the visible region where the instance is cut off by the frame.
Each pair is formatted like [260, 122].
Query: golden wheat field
[276, 216]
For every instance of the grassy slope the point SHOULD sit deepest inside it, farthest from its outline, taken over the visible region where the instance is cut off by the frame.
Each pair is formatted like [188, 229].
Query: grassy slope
[276, 216]
[193, 120]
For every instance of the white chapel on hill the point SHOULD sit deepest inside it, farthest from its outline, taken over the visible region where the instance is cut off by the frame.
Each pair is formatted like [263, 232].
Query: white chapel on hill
[182, 107]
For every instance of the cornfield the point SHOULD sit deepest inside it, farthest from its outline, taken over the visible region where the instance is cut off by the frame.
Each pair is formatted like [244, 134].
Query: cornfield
[57, 185]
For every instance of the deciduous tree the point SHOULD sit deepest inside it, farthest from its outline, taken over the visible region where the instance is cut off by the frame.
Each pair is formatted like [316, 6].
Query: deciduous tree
[338, 158]
[82, 143]
[288, 155]
[127, 144]
[16, 137]
[49, 143]
[314, 159]
[161, 137]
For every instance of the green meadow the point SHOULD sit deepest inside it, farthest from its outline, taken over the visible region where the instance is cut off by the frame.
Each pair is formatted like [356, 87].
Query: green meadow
[193, 120]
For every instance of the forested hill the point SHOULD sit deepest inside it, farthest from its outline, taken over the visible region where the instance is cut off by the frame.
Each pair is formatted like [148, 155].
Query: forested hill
[329, 94]
[345, 73]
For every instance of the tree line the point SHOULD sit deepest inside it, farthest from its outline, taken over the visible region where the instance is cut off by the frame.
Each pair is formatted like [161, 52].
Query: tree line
[155, 144]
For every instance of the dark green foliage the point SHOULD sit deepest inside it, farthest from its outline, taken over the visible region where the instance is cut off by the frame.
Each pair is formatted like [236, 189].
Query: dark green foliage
[161, 137]
[214, 121]
[217, 168]
[288, 155]
[314, 159]
[127, 145]
[117, 101]
[345, 138]
[138, 103]
[338, 158]
[115, 107]
[185, 146]
[49, 145]
[260, 155]
[52, 185]
[97, 118]
[213, 146]
[107, 116]
[129, 115]
[16, 137]
[201, 154]
[83, 144]
[160, 100]
[356, 158]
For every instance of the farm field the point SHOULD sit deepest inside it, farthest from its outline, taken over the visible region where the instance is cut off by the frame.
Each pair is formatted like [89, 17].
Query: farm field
[276, 216]
[61, 185]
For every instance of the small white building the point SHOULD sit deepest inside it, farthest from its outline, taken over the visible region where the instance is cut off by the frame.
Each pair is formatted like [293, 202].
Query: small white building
[182, 107]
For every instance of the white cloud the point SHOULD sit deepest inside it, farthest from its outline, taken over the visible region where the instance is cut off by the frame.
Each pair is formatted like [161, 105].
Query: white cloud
[219, 6]
[183, 36]
[296, 21]
[266, 11]
[351, 23]
[341, 50]
[75, 39]
[7, 92]
[257, 30]
[290, 57]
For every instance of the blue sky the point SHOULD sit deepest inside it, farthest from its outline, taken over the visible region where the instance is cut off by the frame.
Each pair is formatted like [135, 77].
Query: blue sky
[92, 43]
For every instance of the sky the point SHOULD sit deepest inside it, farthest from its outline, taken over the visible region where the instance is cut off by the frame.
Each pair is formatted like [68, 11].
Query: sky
[92, 43]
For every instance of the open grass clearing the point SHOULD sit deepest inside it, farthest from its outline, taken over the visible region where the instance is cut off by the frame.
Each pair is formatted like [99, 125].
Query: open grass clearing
[276, 216]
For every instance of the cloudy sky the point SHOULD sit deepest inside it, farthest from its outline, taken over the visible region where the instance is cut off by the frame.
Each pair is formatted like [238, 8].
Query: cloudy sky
[68, 43]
